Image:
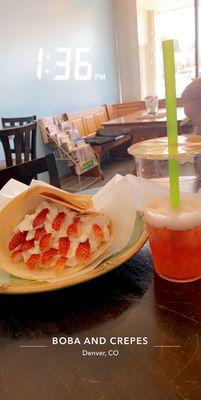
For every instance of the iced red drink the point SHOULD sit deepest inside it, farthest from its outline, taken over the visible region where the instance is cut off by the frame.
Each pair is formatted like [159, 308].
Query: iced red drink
[174, 230]
[175, 238]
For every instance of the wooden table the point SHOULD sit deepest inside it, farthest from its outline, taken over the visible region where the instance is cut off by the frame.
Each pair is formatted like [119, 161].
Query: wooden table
[141, 117]
[143, 126]
[128, 302]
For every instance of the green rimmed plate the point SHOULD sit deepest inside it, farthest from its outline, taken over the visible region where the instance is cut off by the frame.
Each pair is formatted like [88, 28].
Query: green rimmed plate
[23, 286]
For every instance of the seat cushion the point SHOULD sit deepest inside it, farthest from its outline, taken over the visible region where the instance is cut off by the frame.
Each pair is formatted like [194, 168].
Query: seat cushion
[112, 133]
[98, 140]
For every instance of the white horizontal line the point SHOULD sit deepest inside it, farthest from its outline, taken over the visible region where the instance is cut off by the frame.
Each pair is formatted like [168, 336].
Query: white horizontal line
[163, 345]
[33, 346]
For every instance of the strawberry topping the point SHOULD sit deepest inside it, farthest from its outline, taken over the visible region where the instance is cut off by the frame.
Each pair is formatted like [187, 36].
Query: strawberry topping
[48, 256]
[64, 245]
[17, 239]
[40, 218]
[58, 220]
[17, 256]
[60, 263]
[98, 233]
[83, 251]
[28, 244]
[74, 228]
[46, 242]
[39, 233]
[36, 246]
[33, 261]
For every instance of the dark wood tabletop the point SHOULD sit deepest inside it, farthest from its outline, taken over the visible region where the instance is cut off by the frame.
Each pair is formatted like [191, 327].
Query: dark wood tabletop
[129, 302]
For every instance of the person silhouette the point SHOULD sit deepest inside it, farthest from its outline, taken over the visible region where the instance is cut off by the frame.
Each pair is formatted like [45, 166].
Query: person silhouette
[192, 102]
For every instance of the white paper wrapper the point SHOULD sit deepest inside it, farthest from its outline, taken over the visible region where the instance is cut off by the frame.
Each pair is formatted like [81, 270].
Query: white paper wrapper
[10, 190]
[116, 199]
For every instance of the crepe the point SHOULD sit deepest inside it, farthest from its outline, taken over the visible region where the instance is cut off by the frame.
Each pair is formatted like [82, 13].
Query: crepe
[77, 207]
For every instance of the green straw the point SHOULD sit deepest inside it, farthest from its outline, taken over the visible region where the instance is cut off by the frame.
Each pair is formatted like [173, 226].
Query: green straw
[172, 127]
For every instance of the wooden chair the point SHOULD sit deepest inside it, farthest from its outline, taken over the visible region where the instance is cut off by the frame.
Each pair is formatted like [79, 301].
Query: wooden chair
[27, 171]
[161, 103]
[89, 121]
[77, 122]
[24, 140]
[121, 109]
[17, 121]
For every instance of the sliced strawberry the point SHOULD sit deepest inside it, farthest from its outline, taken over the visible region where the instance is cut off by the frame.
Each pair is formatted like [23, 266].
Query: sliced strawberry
[74, 228]
[48, 256]
[60, 263]
[33, 261]
[17, 239]
[98, 233]
[64, 245]
[28, 244]
[46, 242]
[17, 256]
[83, 251]
[39, 233]
[58, 220]
[40, 218]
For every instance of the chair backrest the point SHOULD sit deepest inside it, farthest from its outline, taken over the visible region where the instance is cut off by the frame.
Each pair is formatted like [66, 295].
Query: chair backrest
[20, 141]
[17, 121]
[89, 121]
[121, 109]
[161, 102]
[27, 171]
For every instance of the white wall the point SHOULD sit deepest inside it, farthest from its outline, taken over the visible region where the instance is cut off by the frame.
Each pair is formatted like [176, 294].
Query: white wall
[128, 50]
[26, 27]
[54, 24]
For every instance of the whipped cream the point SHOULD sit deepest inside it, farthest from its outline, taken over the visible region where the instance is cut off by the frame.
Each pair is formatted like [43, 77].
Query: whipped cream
[85, 232]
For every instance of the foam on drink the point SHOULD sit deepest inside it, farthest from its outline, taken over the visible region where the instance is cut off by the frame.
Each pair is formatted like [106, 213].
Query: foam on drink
[160, 214]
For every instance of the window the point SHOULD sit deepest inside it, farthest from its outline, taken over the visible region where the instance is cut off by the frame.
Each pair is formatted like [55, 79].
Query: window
[167, 19]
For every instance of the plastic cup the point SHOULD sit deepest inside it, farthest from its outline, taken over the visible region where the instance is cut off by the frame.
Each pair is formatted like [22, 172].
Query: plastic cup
[151, 103]
[174, 233]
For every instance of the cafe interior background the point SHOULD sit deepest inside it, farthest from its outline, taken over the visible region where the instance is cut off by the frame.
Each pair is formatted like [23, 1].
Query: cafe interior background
[82, 69]
[67, 56]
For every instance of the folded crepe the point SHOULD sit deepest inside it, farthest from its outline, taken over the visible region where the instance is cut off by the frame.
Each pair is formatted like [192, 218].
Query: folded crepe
[45, 232]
